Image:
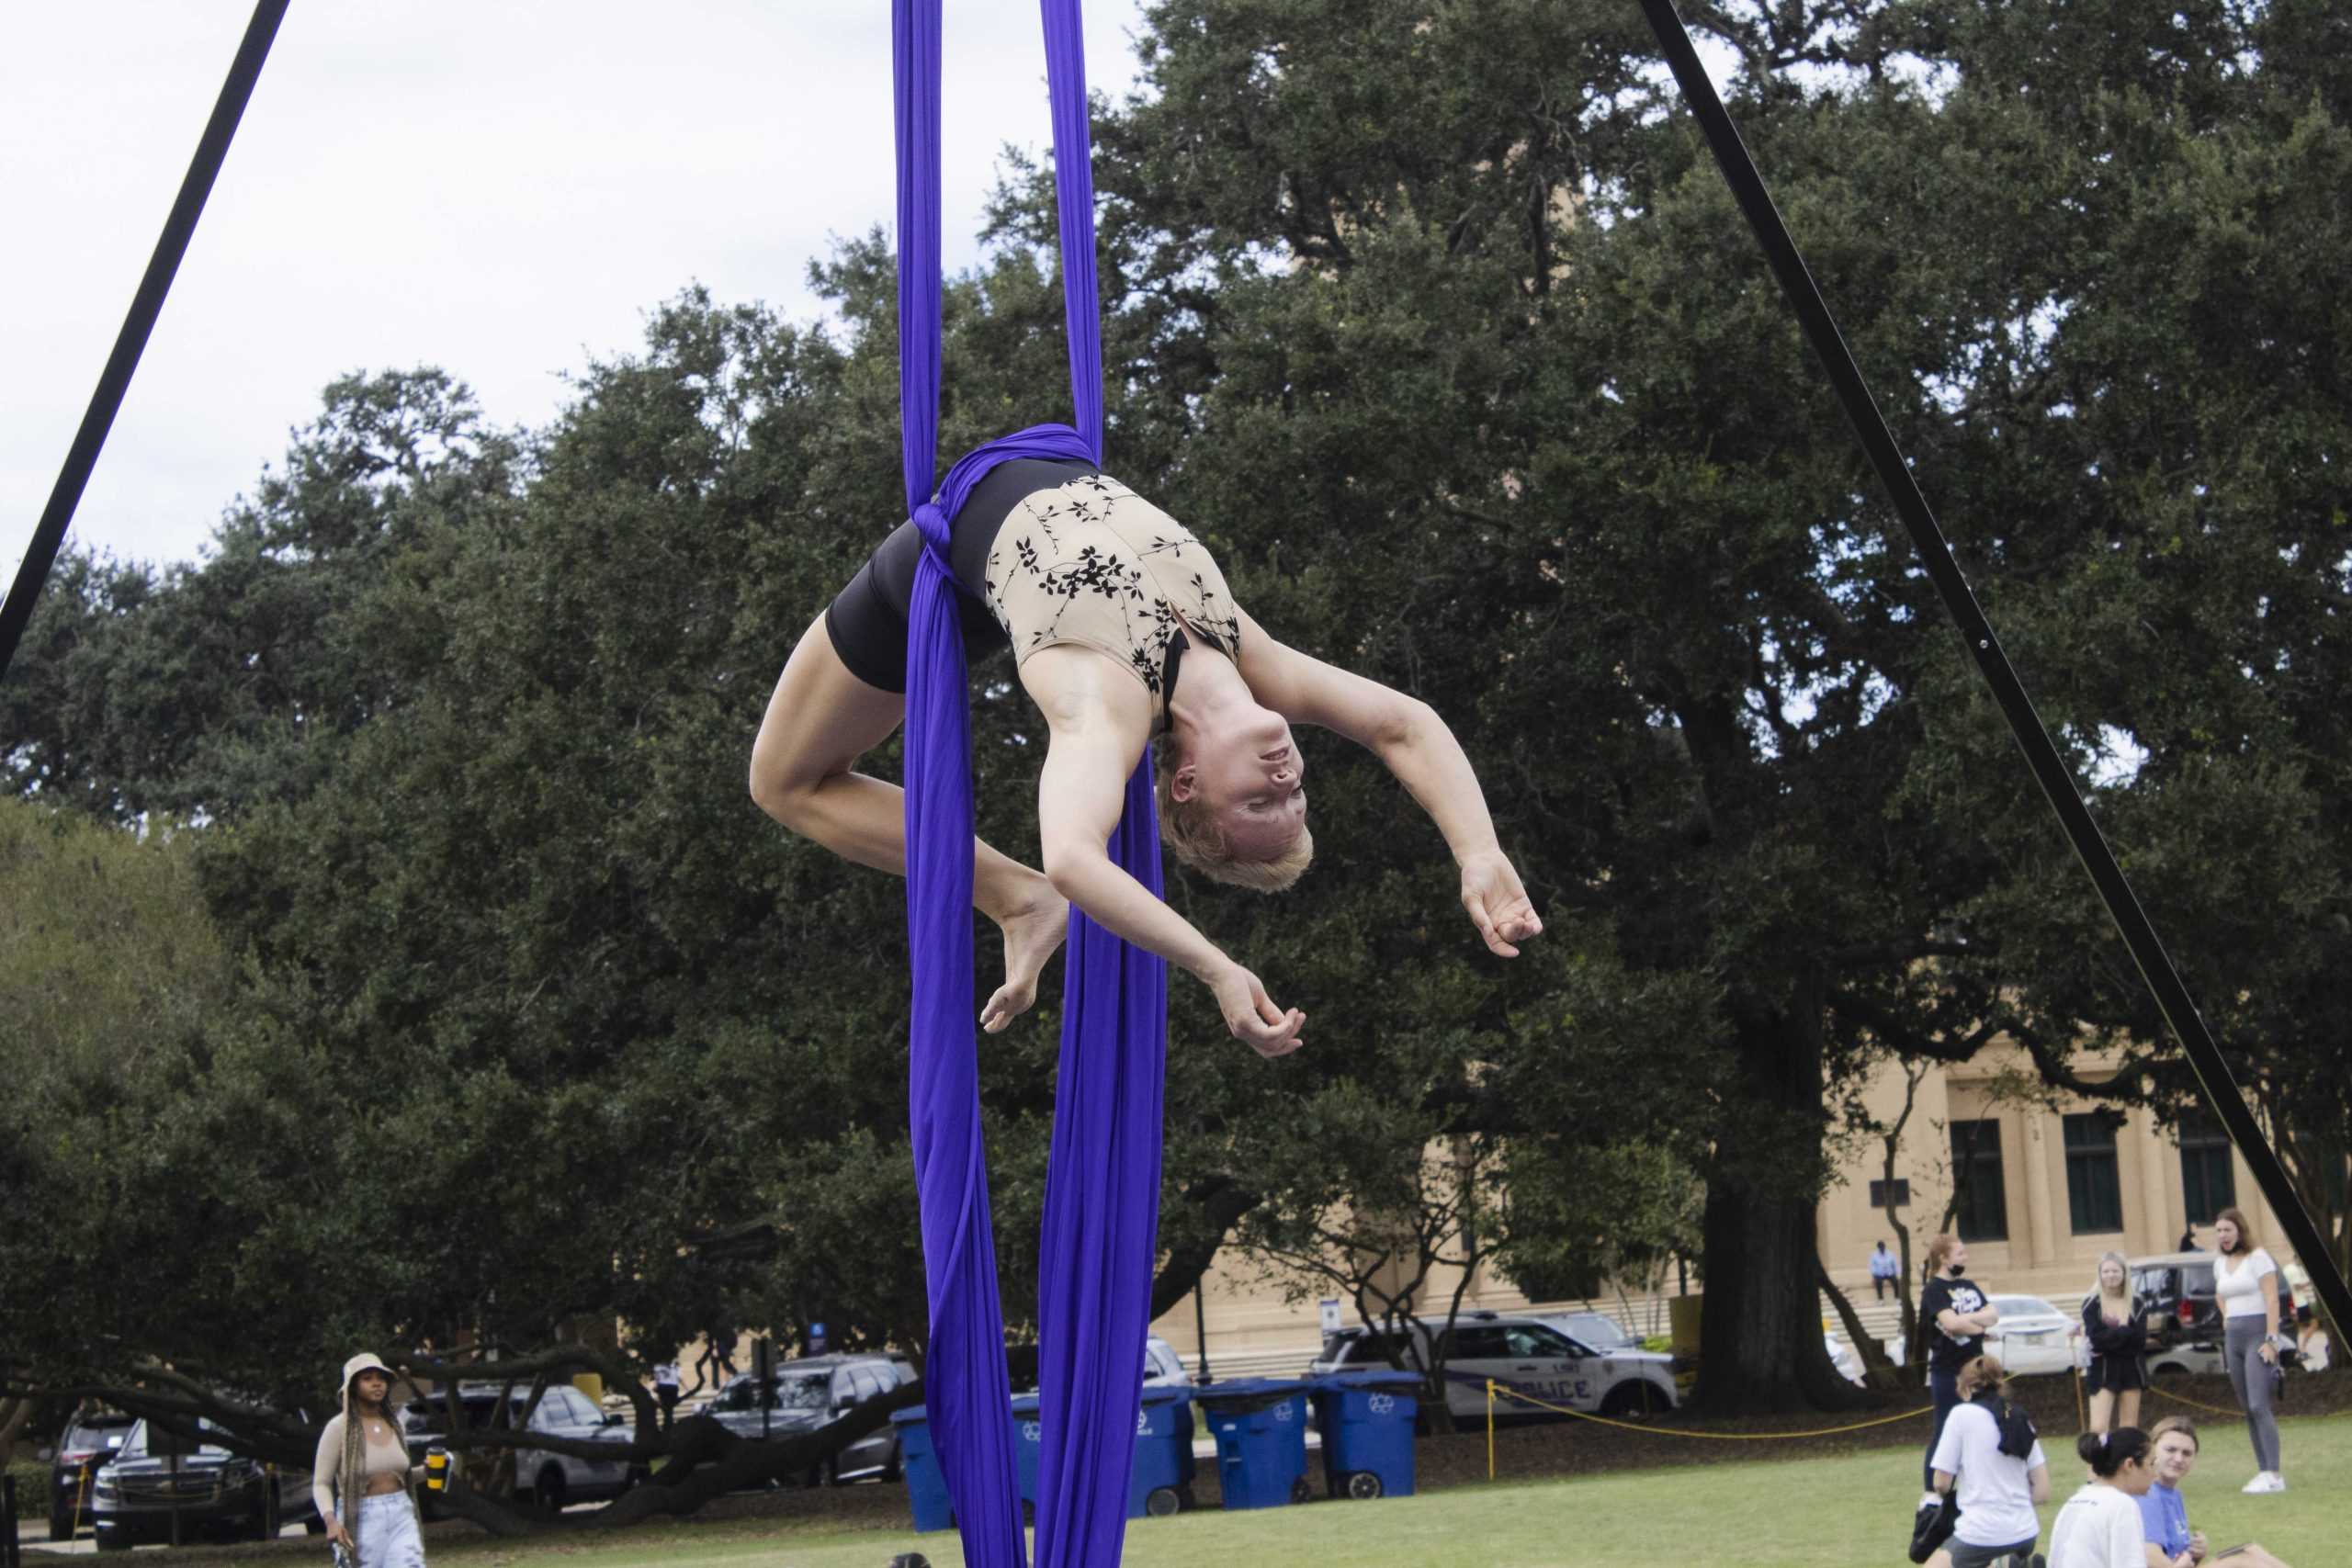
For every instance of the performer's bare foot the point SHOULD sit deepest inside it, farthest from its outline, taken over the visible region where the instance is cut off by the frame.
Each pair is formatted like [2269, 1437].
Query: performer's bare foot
[1031, 936]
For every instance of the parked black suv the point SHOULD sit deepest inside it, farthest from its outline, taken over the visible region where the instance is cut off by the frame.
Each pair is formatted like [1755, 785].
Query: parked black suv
[2177, 1289]
[89, 1440]
[214, 1493]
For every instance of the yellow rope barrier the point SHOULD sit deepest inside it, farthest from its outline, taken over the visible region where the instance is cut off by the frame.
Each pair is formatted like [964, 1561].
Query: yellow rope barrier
[2192, 1404]
[1493, 1389]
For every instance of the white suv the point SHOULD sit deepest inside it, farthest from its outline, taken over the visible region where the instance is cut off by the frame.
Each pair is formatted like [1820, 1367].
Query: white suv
[1533, 1353]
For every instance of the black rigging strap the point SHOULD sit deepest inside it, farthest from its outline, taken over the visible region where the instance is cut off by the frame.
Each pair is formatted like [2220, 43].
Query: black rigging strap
[2221, 1093]
[131, 341]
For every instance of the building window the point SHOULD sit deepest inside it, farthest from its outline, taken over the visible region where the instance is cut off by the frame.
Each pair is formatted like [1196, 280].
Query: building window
[2209, 1183]
[1980, 1209]
[2094, 1191]
[1902, 1192]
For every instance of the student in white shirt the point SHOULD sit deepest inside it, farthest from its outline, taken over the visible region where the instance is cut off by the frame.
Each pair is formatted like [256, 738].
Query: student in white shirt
[2245, 1284]
[2099, 1527]
[1988, 1454]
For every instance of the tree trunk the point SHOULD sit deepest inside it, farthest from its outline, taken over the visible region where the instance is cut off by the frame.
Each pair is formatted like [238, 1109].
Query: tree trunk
[1760, 1342]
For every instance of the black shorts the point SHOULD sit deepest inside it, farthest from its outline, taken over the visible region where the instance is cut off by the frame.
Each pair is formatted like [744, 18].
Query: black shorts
[2113, 1375]
[867, 620]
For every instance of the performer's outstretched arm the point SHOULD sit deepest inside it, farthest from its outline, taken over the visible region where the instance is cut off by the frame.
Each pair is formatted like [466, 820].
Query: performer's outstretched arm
[1410, 738]
[820, 720]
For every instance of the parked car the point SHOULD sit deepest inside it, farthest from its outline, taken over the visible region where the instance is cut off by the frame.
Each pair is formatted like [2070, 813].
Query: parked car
[2183, 1318]
[1162, 1367]
[1598, 1329]
[2032, 1337]
[810, 1392]
[215, 1492]
[89, 1440]
[1525, 1351]
[549, 1480]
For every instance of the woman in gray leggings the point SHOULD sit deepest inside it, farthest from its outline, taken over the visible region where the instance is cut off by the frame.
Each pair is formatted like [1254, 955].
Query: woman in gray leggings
[2245, 1285]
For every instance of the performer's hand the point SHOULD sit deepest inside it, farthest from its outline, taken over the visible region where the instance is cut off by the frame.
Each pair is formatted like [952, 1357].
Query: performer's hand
[337, 1535]
[1497, 904]
[1254, 1018]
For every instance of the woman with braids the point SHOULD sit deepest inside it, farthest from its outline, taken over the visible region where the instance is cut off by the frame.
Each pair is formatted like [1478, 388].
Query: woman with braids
[2099, 1527]
[361, 1477]
[1125, 637]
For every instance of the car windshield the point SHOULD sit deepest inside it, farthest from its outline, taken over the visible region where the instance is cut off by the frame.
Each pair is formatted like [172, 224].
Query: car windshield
[140, 1442]
[1600, 1332]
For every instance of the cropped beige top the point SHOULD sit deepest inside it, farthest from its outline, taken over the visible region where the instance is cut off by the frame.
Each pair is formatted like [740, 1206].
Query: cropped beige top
[1092, 563]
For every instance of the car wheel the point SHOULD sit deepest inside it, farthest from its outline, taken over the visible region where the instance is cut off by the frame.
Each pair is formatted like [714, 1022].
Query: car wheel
[1632, 1401]
[61, 1524]
[1362, 1485]
[894, 1468]
[549, 1494]
[113, 1543]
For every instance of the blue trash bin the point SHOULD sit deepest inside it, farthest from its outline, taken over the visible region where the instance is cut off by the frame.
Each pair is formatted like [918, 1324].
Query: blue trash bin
[1366, 1423]
[1028, 1444]
[1160, 1481]
[1259, 1424]
[926, 1487]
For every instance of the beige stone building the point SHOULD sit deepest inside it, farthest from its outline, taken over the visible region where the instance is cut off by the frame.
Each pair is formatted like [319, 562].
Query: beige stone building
[2050, 1184]
[2047, 1181]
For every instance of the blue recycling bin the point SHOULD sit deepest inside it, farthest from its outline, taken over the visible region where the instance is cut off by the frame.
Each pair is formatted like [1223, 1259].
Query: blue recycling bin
[1162, 1467]
[1259, 1424]
[926, 1487]
[1366, 1423]
[1161, 1474]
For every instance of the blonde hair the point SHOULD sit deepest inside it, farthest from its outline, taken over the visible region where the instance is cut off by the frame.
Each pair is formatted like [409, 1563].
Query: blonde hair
[1938, 1250]
[2181, 1423]
[1189, 828]
[1984, 1373]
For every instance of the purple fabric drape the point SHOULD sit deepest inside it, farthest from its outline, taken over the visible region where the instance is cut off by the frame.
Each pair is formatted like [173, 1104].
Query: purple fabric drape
[1102, 1200]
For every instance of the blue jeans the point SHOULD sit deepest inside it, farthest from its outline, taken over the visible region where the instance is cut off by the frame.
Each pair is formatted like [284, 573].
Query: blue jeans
[1945, 1387]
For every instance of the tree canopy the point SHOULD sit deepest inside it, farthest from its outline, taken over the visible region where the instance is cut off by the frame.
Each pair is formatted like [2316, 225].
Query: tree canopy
[1438, 326]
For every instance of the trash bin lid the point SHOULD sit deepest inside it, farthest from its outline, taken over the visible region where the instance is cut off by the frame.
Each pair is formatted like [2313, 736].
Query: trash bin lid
[1387, 1377]
[1170, 1393]
[1025, 1403]
[1249, 1394]
[910, 1416]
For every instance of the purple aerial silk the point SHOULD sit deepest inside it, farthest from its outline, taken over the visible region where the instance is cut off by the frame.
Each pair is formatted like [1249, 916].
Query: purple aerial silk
[1102, 1194]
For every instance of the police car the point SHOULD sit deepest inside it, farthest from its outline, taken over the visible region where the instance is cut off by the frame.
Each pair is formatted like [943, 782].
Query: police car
[1532, 1353]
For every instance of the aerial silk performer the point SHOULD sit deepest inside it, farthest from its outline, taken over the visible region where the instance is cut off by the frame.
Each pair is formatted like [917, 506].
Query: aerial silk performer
[1168, 712]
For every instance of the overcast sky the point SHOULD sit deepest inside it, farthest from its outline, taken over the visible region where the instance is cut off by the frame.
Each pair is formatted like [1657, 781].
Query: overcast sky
[500, 187]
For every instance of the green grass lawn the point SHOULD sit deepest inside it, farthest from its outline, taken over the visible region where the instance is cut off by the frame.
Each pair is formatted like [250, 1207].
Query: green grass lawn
[1845, 1512]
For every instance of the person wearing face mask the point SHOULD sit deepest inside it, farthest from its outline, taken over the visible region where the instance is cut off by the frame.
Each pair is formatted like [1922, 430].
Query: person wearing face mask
[2245, 1282]
[2099, 1527]
[361, 1477]
[1954, 1315]
[2164, 1517]
[2116, 1328]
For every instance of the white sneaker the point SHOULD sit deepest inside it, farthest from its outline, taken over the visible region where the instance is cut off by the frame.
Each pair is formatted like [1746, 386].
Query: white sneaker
[2265, 1481]
[2278, 1483]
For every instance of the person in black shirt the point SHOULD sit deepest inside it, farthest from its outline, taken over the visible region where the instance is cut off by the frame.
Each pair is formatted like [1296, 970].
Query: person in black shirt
[1953, 1316]
[2115, 1329]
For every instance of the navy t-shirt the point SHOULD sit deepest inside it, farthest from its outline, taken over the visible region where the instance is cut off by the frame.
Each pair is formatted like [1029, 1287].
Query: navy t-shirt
[1945, 1353]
